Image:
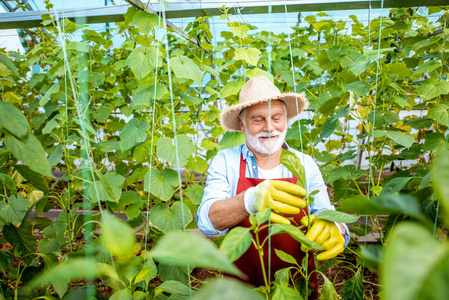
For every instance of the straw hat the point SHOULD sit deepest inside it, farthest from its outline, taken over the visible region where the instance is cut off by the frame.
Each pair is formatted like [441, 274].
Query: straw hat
[256, 90]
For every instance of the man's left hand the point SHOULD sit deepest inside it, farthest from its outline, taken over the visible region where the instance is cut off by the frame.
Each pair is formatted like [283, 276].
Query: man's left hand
[325, 234]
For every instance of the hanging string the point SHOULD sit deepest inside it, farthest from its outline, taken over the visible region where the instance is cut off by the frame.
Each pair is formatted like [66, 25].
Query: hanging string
[299, 132]
[270, 47]
[147, 225]
[167, 57]
[88, 233]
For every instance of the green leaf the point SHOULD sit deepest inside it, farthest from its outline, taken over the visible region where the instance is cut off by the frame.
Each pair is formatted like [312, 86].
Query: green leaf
[117, 237]
[15, 209]
[239, 29]
[401, 138]
[78, 46]
[134, 132]
[22, 239]
[75, 268]
[295, 233]
[103, 112]
[170, 218]
[29, 150]
[184, 67]
[360, 88]
[56, 156]
[226, 289]
[292, 162]
[123, 294]
[235, 243]
[337, 216]
[258, 72]
[34, 178]
[195, 193]
[232, 139]
[13, 120]
[285, 257]
[189, 249]
[53, 90]
[231, 88]
[166, 149]
[163, 184]
[414, 265]
[4, 59]
[439, 113]
[250, 55]
[283, 292]
[145, 21]
[440, 177]
[145, 97]
[430, 89]
[211, 70]
[175, 287]
[328, 291]
[359, 66]
[332, 123]
[395, 185]
[428, 66]
[9, 183]
[109, 187]
[146, 274]
[172, 272]
[353, 288]
[143, 60]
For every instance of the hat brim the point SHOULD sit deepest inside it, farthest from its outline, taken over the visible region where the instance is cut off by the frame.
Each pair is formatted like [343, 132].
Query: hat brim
[294, 102]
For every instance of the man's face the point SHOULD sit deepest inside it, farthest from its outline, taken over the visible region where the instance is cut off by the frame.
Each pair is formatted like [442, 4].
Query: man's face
[265, 130]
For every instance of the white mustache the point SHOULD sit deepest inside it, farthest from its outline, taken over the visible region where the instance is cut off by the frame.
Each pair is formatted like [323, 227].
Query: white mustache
[268, 134]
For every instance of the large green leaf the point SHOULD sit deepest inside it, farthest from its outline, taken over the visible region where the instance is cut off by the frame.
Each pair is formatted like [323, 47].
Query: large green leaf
[439, 113]
[236, 242]
[328, 291]
[9, 183]
[395, 185]
[184, 67]
[435, 141]
[250, 55]
[292, 162]
[295, 233]
[52, 90]
[415, 265]
[332, 123]
[4, 59]
[145, 21]
[166, 149]
[109, 187]
[117, 237]
[430, 89]
[145, 97]
[134, 132]
[15, 209]
[336, 216]
[353, 288]
[36, 179]
[231, 88]
[175, 287]
[360, 88]
[143, 60]
[189, 249]
[13, 120]
[232, 139]
[170, 218]
[22, 239]
[163, 184]
[440, 177]
[226, 289]
[194, 193]
[283, 292]
[29, 151]
[401, 138]
[428, 66]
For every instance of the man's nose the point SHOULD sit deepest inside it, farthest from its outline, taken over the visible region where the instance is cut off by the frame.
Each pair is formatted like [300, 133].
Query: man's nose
[269, 126]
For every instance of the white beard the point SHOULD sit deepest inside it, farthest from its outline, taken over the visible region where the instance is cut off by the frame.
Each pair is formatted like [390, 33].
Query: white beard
[267, 147]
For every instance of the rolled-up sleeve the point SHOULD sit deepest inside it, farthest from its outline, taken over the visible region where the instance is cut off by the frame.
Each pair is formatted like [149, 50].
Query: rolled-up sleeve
[217, 188]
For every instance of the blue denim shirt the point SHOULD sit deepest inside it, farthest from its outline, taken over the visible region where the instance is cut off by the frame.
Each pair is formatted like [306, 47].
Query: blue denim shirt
[224, 175]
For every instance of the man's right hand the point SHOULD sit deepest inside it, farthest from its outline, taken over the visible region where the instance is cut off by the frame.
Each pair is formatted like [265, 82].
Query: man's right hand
[281, 196]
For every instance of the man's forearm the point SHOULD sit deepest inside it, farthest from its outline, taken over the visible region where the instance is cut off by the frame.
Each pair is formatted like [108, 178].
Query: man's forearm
[227, 213]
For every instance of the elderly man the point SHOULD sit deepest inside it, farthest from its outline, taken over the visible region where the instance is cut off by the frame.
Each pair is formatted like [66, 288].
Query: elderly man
[248, 178]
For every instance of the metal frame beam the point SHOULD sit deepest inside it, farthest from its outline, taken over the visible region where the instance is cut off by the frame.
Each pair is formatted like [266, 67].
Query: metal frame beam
[30, 19]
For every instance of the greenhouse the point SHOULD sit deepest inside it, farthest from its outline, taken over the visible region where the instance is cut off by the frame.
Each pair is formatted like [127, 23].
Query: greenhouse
[246, 149]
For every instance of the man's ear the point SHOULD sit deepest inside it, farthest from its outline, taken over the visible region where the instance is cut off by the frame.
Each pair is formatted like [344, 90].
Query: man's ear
[242, 126]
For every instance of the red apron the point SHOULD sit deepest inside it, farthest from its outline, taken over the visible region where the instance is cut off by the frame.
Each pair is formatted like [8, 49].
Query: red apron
[249, 262]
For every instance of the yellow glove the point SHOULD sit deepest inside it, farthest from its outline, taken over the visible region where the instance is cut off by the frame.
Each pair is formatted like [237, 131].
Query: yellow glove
[281, 196]
[325, 234]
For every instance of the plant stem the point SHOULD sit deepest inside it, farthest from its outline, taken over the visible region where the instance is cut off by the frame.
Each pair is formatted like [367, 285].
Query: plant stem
[260, 250]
